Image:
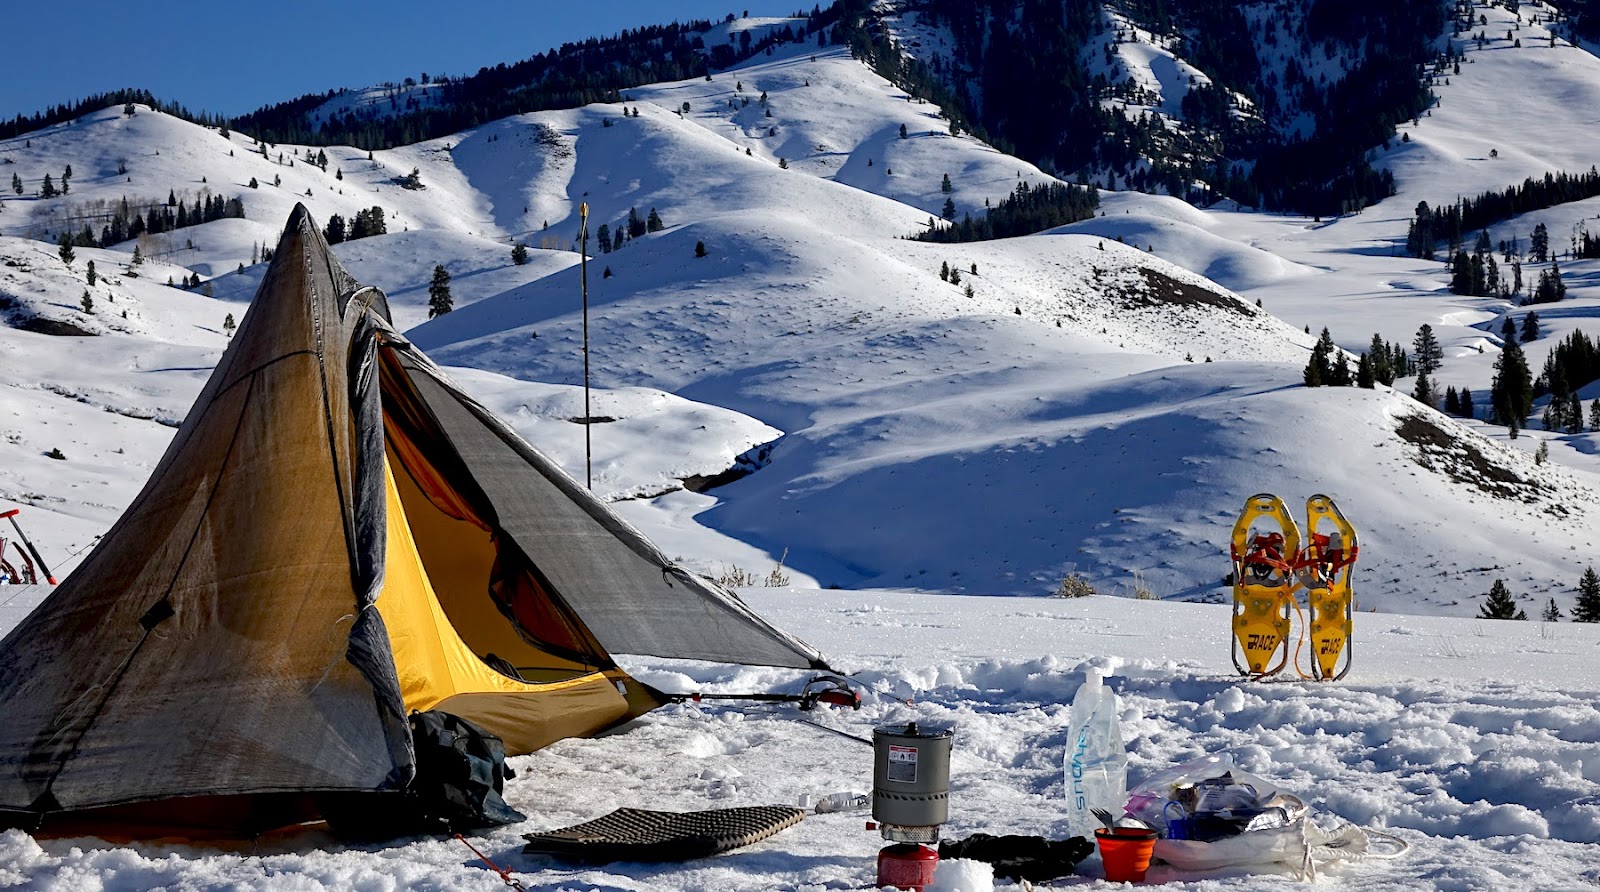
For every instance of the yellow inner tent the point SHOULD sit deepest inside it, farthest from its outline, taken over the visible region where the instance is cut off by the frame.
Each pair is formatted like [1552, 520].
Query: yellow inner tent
[438, 670]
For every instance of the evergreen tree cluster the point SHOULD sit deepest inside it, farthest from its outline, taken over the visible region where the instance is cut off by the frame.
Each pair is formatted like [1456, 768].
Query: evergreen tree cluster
[1587, 246]
[576, 74]
[58, 114]
[1551, 288]
[1586, 608]
[367, 222]
[628, 230]
[1475, 274]
[1381, 363]
[128, 219]
[1459, 403]
[1006, 49]
[1329, 366]
[1028, 209]
[1430, 225]
[1570, 365]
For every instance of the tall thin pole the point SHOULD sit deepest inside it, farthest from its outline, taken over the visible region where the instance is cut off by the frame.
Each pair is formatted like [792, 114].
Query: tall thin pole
[583, 278]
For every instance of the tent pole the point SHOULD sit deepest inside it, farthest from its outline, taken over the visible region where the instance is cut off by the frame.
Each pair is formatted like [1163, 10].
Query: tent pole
[12, 515]
[583, 278]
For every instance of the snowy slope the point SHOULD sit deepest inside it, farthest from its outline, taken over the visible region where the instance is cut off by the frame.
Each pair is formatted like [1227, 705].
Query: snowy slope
[1063, 415]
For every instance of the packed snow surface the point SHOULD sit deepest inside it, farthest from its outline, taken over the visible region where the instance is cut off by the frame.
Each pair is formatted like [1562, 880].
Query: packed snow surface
[1476, 742]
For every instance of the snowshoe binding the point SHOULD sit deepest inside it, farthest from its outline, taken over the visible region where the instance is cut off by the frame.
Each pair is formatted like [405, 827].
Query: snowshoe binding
[1264, 582]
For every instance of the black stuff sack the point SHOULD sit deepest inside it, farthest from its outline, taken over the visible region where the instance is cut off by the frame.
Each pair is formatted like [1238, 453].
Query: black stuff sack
[461, 775]
[458, 786]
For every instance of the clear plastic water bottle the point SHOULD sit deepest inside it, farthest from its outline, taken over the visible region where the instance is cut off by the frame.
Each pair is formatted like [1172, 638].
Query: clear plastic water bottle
[1096, 763]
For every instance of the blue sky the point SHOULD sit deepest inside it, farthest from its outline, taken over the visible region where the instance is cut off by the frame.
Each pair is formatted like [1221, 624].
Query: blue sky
[231, 57]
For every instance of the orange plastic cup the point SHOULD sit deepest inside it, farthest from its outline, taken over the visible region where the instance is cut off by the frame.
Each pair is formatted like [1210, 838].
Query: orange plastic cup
[1126, 852]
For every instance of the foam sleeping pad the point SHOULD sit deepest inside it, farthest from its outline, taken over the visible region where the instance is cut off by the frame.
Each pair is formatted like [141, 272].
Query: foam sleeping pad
[636, 834]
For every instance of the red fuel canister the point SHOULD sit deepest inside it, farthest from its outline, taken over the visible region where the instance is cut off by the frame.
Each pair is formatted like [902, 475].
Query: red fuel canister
[906, 866]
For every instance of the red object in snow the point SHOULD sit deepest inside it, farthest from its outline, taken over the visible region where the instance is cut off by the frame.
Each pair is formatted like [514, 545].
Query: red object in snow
[906, 866]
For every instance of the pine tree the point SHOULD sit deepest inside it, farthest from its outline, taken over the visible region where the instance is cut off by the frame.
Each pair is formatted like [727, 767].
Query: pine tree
[1423, 392]
[16, 184]
[1364, 372]
[1452, 401]
[1587, 607]
[519, 254]
[439, 301]
[66, 253]
[603, 236]
[944, 271]
[1321, 365]
[1552, 613]
[1594, 415]
[949, 209]
[699, 249]
[1313, 375]
[1382, 373]
[1428, 352]
[48, 190]
[1530, 327]
[653, 222]
[1499, 605]
[1511, 393]
[334, 230]
[91, 274]
[1341, 371]
[945, 185]
[87, 301]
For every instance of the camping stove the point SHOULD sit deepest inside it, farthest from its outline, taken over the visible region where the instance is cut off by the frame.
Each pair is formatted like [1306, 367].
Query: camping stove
[910, 800]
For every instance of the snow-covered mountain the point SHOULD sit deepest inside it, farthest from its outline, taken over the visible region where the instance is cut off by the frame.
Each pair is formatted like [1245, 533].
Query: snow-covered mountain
[1097, 399]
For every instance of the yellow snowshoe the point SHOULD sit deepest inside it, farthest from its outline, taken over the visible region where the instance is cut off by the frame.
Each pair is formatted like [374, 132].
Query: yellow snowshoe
[1326, 567]
[1263, 585]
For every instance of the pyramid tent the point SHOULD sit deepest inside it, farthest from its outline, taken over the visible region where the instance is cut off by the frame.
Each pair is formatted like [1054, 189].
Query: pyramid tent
[336, 537]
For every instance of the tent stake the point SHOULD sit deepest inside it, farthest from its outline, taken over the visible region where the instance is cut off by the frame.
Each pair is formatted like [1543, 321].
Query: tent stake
[583, 279]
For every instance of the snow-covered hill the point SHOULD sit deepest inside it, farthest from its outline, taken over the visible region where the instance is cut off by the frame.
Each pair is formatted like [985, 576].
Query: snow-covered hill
[1094, 399]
